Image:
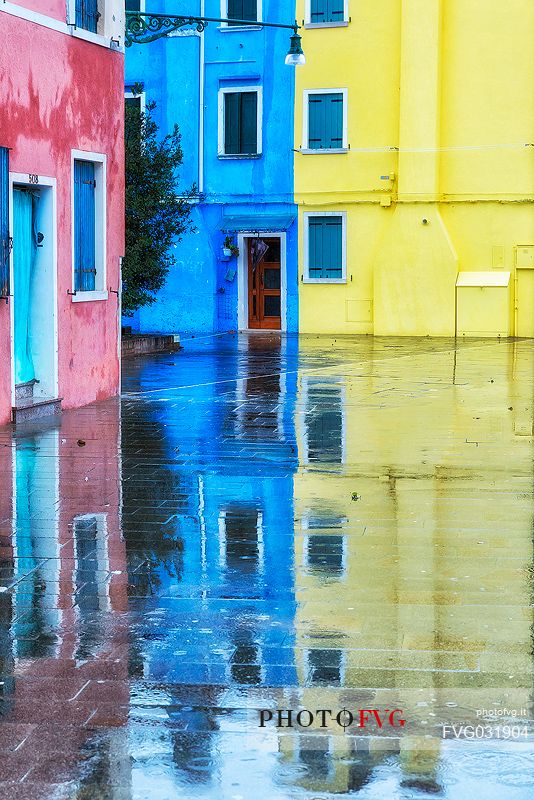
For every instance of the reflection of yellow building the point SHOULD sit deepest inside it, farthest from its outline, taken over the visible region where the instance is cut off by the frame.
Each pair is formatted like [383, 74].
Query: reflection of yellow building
[414, 519]
[414, 170]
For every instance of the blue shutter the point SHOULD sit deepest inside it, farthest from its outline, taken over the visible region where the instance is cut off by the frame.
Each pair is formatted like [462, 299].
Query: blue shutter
[318, 11]
[249, 122]
[87, 14]
[335, 10]
[326, 11]
[325, 247]
[231, 123]
[325, 121]
[84, 226]
[5, 240]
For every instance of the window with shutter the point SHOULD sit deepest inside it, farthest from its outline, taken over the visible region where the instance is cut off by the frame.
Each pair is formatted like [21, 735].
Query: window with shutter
[325, 11]
[84, 226]
[5, 241]
[325, 247]
[242, 10]
[325, 121]
[87, 15]
[241, 123]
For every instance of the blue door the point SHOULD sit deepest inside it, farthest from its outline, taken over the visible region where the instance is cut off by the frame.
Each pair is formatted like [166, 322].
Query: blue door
[24, 251]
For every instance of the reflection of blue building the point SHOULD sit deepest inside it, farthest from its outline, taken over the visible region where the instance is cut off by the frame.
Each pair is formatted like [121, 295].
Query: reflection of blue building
[219, 466]
[232, 95]
[229, 447]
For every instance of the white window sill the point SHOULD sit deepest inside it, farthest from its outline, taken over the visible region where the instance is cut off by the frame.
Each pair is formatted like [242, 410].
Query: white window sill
[306, 151]
[95, 38]
[88, 297]
[324, 280]
[231, 28]
[311, 25]
[238, 156]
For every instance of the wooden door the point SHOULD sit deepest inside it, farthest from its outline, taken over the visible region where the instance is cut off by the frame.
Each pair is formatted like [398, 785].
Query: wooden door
[264, 286]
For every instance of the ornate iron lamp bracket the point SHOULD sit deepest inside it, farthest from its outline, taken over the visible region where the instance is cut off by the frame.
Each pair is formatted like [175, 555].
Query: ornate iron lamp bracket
[142, 27]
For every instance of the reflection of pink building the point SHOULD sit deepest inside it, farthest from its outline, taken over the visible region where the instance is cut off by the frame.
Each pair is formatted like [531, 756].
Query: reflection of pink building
[65, 671]
[61, 202]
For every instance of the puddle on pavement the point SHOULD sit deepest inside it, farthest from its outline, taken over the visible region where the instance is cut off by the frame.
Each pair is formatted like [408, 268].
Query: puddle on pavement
[276, 569]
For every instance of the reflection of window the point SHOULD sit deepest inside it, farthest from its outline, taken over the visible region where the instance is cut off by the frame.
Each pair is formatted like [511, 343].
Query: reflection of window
[91, 562]
[326, 554]
[246, 661]
[241, 539]
[314, 755]
[325, 667]
[90, 585]
[323, 420]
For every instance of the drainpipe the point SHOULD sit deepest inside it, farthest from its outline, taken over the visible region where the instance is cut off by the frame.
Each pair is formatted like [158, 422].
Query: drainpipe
[201, 107]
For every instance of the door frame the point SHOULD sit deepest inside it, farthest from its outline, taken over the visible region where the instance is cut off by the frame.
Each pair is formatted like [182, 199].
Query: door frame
[242, 278]
[44, 181]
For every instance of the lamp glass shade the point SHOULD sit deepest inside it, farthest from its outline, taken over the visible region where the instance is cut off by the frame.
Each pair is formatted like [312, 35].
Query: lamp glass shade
[295, 56]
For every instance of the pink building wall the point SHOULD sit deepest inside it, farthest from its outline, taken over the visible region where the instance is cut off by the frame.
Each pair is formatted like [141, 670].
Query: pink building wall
[59, 93]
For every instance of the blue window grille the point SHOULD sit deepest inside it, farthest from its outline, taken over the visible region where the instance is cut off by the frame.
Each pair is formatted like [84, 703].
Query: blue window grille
[241, 123]
[322, 11]
[84, 226]
[87, 15]
[325, 248]
[325, 121]
[5, 240]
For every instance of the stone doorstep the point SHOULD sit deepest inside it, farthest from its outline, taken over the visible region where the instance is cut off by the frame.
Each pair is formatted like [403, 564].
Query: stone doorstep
[30, 409]
[24, 390]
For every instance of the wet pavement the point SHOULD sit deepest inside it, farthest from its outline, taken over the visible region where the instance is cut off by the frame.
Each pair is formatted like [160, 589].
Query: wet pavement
[277, 568]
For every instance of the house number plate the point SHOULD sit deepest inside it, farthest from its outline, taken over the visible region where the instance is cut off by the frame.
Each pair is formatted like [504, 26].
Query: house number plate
[32, 178]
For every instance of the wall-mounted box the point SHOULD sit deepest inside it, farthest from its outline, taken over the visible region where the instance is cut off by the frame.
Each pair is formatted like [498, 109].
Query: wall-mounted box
[524, 256]
[483, 304]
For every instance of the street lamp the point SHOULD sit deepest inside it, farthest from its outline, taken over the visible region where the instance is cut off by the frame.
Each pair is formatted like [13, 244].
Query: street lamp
[295, 55]
[142, 28]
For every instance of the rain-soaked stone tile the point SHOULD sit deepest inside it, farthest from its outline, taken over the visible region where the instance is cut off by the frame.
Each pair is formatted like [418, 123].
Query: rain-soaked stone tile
[264, 557]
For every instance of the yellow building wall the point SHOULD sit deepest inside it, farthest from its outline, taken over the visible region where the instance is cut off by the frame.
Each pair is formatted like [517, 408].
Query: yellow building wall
[444, 105]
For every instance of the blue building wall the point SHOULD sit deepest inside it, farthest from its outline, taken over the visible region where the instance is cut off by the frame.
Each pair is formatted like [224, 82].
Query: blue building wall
[200, 294]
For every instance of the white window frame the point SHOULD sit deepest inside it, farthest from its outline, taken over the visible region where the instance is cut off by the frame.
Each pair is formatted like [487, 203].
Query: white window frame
[141, 95]
[100, 162]
[340, 24]
[306, 217]
[259, 117]
[224, 27]
[305, 148]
